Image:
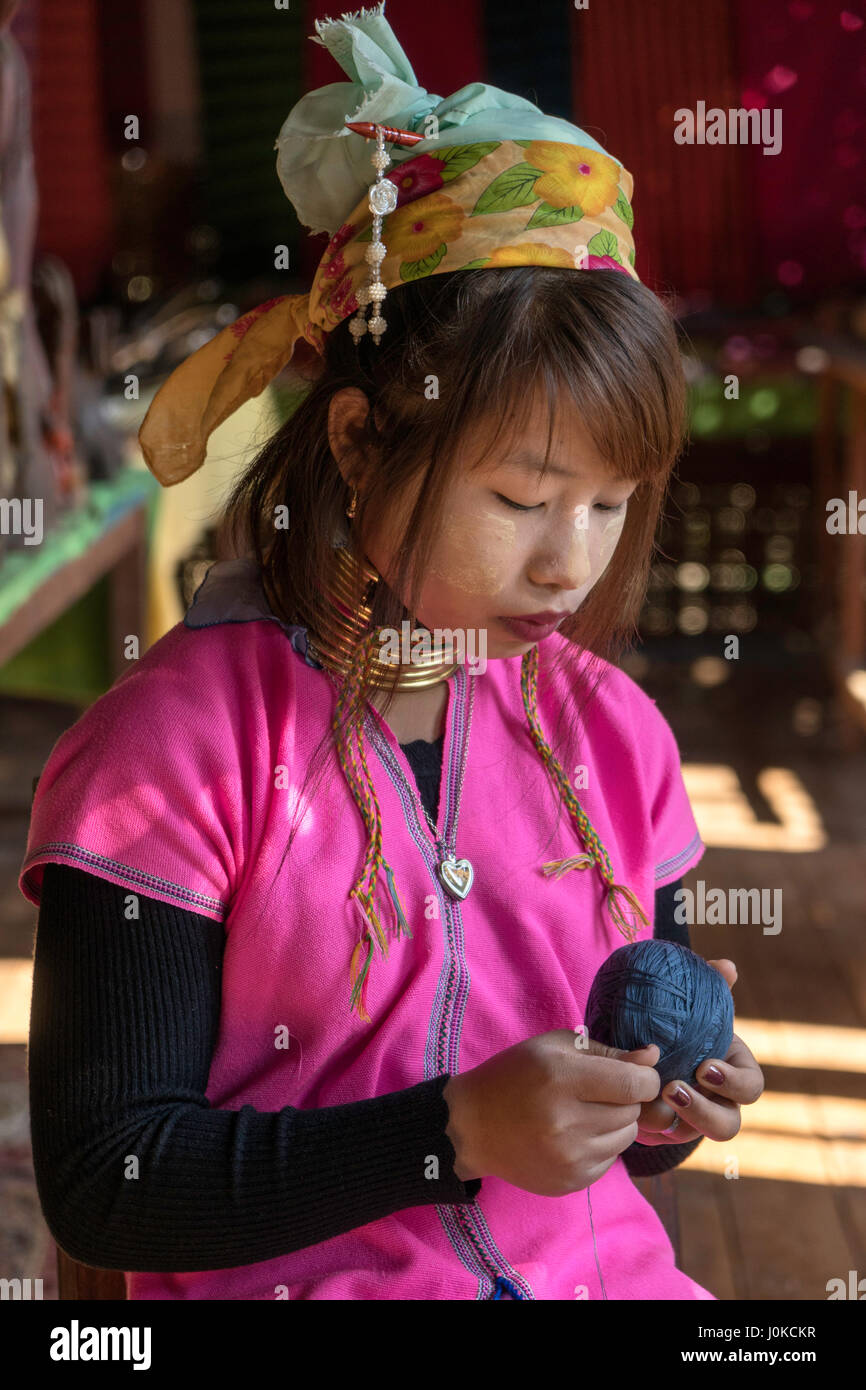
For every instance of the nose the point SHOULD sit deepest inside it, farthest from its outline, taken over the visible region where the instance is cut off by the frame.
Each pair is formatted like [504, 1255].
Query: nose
[564, 563]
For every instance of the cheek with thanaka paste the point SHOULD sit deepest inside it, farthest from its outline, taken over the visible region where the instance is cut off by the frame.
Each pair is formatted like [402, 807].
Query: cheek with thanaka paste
[611, 532]
[583, 546]
[601, 546]
[478, 579]
[486, 541]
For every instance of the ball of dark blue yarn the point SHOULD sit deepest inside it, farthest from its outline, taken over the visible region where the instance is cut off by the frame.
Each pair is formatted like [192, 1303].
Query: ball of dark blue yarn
[660, 992]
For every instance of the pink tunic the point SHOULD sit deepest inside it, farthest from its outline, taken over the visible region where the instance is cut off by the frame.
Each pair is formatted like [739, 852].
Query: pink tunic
[180, 781]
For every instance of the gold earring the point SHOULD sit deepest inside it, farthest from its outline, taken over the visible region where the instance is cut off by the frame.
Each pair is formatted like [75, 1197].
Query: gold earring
[350, 510]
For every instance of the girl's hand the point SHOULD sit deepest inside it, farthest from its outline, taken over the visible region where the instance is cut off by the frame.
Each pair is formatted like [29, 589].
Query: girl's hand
[713, 1109]
[547, 1115]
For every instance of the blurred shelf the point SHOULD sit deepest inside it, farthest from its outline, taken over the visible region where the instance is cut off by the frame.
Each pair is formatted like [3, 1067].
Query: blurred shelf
[107, 535]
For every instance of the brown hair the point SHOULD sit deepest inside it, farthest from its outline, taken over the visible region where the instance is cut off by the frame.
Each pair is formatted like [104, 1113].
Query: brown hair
[491, 338]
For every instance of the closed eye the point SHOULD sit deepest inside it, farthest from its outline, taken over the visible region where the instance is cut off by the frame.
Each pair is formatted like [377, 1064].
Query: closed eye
[516, 505]
[599, 506]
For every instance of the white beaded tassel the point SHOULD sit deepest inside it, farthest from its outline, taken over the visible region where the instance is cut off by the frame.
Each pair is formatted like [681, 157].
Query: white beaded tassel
[383, 199]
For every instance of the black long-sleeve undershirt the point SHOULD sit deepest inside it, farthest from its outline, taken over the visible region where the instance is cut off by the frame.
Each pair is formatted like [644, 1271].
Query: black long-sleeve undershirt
[135, 1170]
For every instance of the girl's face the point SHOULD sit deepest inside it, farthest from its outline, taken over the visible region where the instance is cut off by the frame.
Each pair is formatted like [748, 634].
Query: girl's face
[511, 545]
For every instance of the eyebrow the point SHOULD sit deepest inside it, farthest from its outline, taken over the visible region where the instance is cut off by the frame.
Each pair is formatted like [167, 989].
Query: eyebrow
[531, 463]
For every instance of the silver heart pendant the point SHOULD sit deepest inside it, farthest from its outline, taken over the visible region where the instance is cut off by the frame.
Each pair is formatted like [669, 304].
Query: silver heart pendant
[456, 875]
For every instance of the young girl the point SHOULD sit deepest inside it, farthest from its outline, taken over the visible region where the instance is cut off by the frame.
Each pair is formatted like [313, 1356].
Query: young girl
[321, 900]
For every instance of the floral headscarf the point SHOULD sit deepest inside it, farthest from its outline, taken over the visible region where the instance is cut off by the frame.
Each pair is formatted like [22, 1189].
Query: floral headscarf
[494, 183]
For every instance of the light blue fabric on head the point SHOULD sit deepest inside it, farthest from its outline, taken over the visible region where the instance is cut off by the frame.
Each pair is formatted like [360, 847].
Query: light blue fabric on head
[325, 169]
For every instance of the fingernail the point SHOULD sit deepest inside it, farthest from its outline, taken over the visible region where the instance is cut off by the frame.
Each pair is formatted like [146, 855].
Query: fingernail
[680, 1097]
[713, 1075]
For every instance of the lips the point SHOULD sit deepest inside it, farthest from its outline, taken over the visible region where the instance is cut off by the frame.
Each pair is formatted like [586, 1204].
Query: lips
[536, 626]
[550, 615]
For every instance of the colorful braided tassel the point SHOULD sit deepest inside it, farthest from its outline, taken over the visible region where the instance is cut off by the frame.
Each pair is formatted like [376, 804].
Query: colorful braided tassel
[598, 854]
[364, 890]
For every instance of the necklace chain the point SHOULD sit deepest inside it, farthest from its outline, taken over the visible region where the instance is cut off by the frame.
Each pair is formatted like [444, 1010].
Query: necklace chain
[440, 841]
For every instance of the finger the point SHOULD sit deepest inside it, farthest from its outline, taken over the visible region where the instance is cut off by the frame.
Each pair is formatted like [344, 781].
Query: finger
[598, 1119]
[618, 1140]
[617, 1082]
[653, 1139]
[725, 968]
[742, 1080]
[715, 1117]
[642, 1056]
[657, 1115]
[659, 1122]
[606, 1149]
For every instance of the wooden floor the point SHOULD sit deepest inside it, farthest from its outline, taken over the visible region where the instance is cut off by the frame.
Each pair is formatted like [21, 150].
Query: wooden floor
[781, 1209]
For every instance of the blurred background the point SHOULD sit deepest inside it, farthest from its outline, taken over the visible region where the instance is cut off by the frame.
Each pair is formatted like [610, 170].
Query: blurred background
[140, 210]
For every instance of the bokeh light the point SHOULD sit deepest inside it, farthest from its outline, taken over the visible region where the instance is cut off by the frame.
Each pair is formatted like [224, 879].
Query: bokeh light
[764, 403]
[692, 576]
[709, 671]
[133, 160]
